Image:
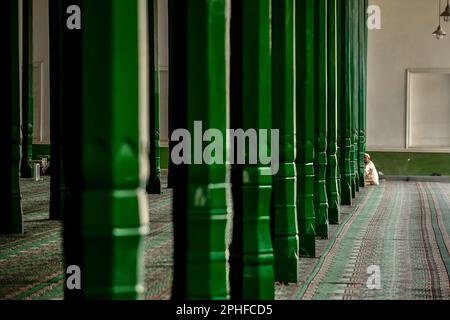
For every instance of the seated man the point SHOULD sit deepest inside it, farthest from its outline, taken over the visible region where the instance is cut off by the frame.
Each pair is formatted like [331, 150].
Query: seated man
[370, 172]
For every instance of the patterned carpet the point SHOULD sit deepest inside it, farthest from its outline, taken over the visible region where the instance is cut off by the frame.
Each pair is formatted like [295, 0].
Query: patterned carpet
[401, 227]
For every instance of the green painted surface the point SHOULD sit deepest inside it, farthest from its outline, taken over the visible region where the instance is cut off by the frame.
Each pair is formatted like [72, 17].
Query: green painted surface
[284, 206]
[113, 198]
[164, 157]
[345, 103]
[154, 181]
[200, 189]
[356, 44]
[305, 94]
[251, 253]
[11, 218]
[332, 116]
[320, 119]
[27, 92]
[362, 88]
[410, 163]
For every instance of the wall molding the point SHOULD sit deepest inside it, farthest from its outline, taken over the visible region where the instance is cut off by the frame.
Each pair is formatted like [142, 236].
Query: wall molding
[408, 146]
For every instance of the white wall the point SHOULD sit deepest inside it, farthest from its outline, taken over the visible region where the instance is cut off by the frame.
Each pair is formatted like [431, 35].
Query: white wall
[405, 41]
[41, 60]
[429, 110]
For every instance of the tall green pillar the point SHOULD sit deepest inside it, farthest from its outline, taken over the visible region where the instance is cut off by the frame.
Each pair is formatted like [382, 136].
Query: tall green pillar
[68, 146]
[351, 76]
[362, 83]
[27, 89]
[251, 253]
[113, 139]
[58, 187]
[356, 89]
[154, 182]
[201, 186]
[174, 116]
[284, 207]
[345, 107]
[305, 95]
[11, 218]
[332, 121]
[320, 120]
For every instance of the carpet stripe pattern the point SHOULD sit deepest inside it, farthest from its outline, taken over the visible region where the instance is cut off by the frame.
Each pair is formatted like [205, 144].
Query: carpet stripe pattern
[402, 228]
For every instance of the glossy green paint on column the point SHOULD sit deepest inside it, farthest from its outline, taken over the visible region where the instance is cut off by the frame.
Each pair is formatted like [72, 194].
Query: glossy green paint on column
[114, 161]
[154, 182]
[173, 115]
[345, 104]
[27, 89]
[353, 93]
[11, 218]
[362, 100]
[356, 92]
[201, 200]
[284, 207]
[320, 120]
[339, 92]
[332, 121]
[305, 95]
[251, 259]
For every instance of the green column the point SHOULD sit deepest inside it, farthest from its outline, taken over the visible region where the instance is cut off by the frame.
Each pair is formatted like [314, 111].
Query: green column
[332, 168]
[11, 219]
[154, 182]
[202, 188]
[351, 50]
[175, 42]
[68, 144]
[27, 89]
[305, 92]
[362, 83]
[356, 90]
[114, 213]
[58, 186]
[345, 100]
[251, 259]
[339, 92]
[284, 209]
[320, 118]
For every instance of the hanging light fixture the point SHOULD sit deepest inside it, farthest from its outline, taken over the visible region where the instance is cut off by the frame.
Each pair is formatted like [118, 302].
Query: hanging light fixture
[446, 13]
[439, 33]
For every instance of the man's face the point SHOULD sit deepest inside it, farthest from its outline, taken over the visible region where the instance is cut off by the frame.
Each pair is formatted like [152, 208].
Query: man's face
[366, 159]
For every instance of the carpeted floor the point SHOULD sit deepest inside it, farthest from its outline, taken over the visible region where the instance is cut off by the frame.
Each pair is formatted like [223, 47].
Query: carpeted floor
[401, 227]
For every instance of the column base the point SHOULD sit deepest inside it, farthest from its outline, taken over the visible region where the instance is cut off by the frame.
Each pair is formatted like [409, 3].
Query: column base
[286, 259]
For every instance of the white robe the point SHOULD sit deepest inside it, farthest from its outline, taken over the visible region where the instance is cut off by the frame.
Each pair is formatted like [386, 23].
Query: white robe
[371, 174]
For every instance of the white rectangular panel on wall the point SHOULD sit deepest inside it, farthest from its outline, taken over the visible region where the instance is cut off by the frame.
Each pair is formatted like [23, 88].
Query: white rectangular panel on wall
[428, 109]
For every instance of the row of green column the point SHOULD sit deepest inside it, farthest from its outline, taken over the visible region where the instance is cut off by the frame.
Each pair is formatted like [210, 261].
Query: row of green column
[292, 67]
